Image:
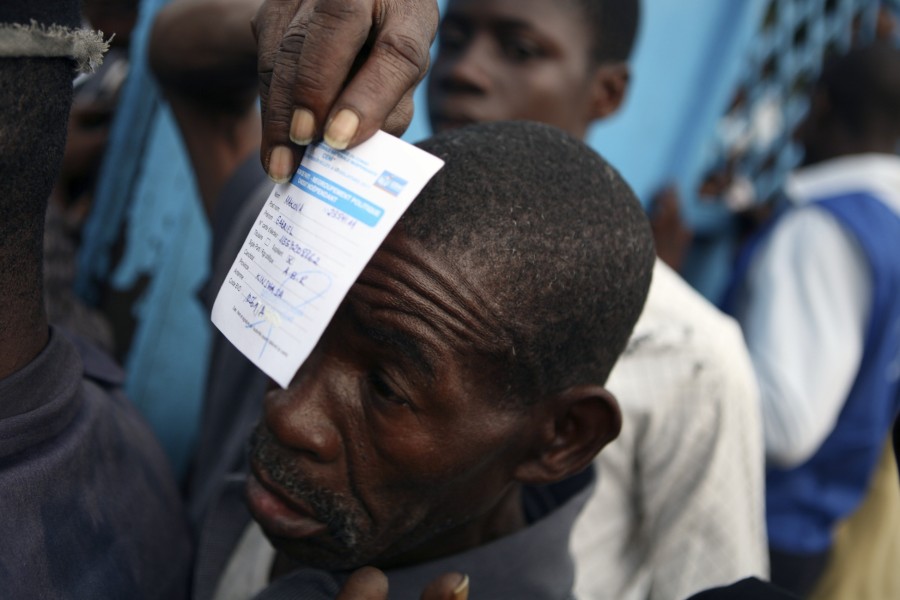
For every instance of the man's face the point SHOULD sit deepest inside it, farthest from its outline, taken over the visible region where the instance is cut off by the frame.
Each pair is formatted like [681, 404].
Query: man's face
[391, 437]
[512, 60]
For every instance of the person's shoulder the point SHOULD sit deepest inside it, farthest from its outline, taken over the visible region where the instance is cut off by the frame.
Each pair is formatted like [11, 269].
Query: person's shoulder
[102, 389]
[114, 416]
[676, 311]
[97, 473]
[111, 419]
[691, 348]
[97, 364]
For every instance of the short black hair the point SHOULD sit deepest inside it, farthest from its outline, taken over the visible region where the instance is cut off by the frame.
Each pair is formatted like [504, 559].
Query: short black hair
[557, 235]
[613, 25]
[863, 89]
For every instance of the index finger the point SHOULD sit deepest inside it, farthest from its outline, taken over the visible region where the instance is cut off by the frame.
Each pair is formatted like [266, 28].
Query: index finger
[396, 62]
[302, 76]
[309, 50]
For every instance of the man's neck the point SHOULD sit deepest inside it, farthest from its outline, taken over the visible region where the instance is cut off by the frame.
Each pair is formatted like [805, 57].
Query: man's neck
[505, 518]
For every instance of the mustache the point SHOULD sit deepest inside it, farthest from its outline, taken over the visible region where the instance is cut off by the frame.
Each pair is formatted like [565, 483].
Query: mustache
[334, 509]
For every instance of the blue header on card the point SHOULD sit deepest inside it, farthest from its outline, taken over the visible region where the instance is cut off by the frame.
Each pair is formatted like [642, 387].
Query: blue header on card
[340, 197]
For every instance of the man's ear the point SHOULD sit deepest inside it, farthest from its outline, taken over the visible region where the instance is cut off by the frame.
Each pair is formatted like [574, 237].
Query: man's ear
[578, 423]
[608, 89]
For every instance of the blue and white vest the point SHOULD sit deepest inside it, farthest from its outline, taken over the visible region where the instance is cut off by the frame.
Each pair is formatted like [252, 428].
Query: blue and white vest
[804, 503]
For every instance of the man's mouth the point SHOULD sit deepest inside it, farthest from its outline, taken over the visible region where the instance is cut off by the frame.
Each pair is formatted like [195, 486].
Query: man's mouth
[446, 121]
[278, 513]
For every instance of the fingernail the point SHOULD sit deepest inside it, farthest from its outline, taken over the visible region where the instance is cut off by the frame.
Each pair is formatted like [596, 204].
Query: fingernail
[461, 592]
[281, 161]
[303, 127]
[341, 129]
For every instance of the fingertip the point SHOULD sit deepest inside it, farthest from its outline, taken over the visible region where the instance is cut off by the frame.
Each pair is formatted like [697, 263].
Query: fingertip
[341, 130]
[366, 583]
[303, 127]
[449, 586]
[370, 575]
[461, 591]
[281, 164]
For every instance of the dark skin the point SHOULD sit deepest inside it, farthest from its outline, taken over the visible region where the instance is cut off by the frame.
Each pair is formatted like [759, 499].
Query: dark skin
[323, 428]
[363, 59]
[337, 69]
[531, 59]
[25, 327]
[26, 324]
[389, 447]
[196, 63]
[368, 583]
[520, 59]
[671, 236]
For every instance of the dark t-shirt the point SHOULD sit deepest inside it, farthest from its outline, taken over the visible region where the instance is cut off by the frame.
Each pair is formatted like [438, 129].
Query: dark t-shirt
[88, 502]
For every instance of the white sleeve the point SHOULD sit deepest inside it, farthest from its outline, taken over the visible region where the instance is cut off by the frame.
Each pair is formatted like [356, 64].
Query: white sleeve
[703, 495]
[679, 505]
[804, 315]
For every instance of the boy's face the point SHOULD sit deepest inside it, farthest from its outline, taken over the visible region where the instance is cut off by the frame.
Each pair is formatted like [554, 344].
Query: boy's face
[390, 437]
[513, 60]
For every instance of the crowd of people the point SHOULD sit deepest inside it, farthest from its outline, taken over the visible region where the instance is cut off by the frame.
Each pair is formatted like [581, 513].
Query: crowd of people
[517, 398]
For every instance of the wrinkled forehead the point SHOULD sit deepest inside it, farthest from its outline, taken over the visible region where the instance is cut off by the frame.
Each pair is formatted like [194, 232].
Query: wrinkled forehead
[408, 286]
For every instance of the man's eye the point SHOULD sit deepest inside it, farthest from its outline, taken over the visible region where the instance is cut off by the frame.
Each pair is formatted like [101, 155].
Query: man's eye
[452, 37]
[521, 49]
[384, 392]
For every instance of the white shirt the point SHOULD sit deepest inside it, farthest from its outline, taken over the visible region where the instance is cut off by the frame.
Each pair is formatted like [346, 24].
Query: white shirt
[679, 505]
[805, 305]
[248, 570]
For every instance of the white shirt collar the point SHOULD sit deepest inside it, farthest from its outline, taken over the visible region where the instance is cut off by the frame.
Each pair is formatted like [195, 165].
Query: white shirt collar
[878, 174]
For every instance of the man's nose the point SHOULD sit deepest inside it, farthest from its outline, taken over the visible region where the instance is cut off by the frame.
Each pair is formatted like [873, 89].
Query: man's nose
[303, 416]
[467, 70]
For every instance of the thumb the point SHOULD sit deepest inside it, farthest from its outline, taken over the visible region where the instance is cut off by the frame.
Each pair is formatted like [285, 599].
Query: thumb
[449, 586]
[367, 583]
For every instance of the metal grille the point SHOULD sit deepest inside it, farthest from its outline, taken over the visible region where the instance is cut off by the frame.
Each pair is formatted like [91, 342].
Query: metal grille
[753, 139]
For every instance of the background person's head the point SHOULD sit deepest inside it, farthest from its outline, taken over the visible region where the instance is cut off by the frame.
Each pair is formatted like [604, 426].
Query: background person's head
[561, 62]
[855, 106]
[468, 358]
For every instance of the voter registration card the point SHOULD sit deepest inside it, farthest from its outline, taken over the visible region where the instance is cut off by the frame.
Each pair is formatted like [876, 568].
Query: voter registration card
[310, 242]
